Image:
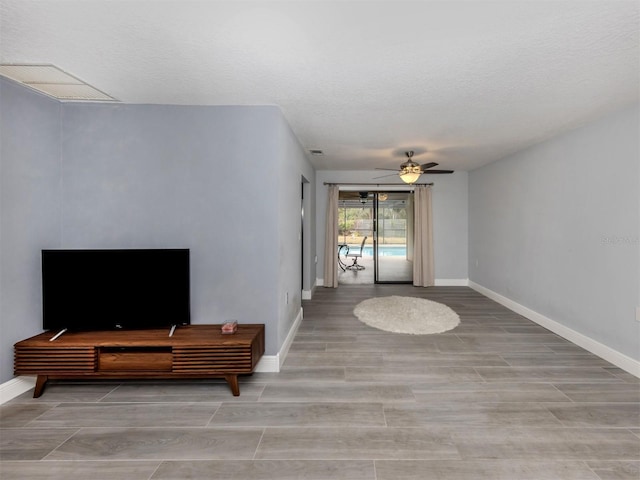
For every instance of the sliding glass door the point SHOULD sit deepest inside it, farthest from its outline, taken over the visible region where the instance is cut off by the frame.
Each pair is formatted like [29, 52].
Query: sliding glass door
[393, 237]
[375, 237]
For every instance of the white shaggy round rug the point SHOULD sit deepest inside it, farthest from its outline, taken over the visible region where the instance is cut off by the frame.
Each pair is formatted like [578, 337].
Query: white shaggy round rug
[415, 316]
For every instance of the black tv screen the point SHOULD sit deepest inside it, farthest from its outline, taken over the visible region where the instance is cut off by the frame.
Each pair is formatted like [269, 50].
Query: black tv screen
[115, 289]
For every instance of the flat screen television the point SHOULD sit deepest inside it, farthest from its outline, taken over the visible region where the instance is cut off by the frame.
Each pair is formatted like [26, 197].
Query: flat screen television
[115, 289]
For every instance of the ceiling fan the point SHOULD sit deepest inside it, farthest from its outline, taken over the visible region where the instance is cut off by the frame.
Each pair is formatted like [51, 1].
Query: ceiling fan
[410, 171]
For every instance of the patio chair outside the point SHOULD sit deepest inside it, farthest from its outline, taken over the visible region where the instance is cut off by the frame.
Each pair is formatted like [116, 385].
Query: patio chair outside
[356, 255]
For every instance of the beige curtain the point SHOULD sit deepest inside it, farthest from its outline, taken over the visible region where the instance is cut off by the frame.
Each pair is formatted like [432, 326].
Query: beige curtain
[331, 240]
[423, 272]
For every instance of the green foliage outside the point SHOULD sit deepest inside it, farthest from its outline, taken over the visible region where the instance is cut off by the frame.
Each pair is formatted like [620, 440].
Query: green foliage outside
[356, 222]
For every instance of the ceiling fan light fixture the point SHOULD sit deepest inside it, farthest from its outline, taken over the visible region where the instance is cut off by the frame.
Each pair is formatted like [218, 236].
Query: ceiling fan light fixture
[409, 172]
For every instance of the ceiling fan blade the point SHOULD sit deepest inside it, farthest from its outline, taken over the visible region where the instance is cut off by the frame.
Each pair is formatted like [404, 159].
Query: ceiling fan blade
[437, 171]
[384, 176]
[428, 165]
[390, 169]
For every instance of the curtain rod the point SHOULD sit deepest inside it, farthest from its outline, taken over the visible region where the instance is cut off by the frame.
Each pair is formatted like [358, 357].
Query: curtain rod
[380, 184]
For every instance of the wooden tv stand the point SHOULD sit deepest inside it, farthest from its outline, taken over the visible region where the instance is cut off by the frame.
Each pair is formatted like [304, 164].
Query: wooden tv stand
[194, 351]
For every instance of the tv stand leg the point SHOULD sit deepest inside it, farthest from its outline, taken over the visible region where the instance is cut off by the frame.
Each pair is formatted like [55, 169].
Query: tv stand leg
[40, 381]
[232, 380]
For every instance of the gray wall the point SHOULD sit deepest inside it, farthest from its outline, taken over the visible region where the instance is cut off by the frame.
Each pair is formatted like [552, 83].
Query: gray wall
[449, 216]
[294, 168]
[167, 176]
[555, 228]
[221, 181]
[30, 191]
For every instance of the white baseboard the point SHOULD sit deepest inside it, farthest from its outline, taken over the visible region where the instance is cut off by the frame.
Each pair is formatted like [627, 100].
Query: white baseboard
[308, 294]
[621, 360]
[286, 345]
[272, 363]
[319, 282]
[16, 386]
[451, 282]
[268, 363]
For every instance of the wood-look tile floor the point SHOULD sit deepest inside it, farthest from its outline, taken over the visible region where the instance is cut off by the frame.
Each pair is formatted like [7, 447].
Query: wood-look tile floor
[497, 398]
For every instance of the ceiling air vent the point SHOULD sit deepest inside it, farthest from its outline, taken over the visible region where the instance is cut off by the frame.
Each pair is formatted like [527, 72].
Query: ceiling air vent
[52, 81]
[317, 153]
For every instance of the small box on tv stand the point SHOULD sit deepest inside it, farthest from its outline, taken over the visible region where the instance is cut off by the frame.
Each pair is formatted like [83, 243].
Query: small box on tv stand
[229, 327]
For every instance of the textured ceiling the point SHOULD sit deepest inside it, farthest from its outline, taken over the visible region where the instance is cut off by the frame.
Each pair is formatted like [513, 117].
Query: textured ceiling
[461, 83]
